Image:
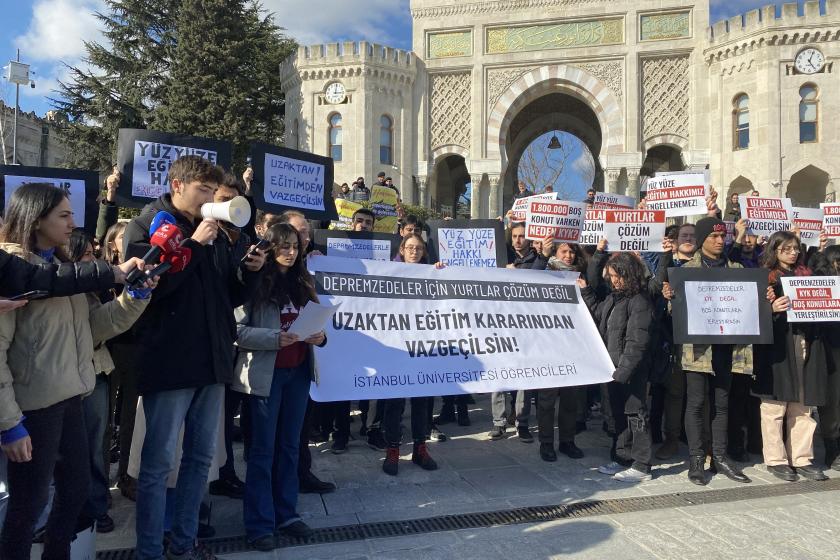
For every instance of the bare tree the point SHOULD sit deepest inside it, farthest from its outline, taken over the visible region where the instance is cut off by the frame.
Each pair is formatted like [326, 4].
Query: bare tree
[541, 166]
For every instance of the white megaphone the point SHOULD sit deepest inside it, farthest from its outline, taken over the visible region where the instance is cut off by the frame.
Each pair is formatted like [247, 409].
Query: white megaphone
[235, 211]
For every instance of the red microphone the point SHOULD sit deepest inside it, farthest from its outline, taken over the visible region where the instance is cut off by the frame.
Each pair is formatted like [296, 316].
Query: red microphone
[165, 240]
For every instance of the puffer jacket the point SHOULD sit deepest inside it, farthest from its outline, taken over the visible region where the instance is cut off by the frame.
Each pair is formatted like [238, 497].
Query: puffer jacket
[18, 276]
[47, 347]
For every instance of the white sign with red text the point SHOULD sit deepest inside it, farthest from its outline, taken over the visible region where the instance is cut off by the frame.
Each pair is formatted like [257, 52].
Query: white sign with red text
[831, 219]
[678, 194]
[593, 226]
[634, 230]
[520, 205]
[765, 216]
[560, 219]
[810, 222]
[613, 201]
[812, 298]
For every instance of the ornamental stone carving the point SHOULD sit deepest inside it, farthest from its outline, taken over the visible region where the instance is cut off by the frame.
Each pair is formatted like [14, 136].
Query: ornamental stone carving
[523, 38]
[449, 44]
[449, 109]
[656, 27]
[665, 96]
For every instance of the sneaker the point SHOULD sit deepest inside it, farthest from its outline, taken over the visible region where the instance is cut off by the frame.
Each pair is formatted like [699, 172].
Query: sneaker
[391, 465]
[376, 440]
[436, 435]
[611, 469]
[524, 434]
[266, 543]
[231, 487]
[420, 456]
[632, 475]
[297, 529]
[104, 524]
[498, 432]
[339, 445]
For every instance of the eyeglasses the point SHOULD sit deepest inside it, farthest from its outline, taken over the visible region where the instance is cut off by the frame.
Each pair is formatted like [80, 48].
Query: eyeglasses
[413, 249]
[793, 250]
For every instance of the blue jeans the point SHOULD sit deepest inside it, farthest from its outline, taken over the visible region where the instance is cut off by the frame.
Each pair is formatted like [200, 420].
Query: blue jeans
[271, 481]
[95, 407]
[198, 411]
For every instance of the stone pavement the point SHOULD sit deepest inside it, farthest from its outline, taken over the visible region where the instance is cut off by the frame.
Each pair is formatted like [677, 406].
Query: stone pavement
[478, 475]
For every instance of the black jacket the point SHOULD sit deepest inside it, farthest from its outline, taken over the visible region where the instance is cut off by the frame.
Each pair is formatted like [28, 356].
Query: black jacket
[18, 276]
[186, 334]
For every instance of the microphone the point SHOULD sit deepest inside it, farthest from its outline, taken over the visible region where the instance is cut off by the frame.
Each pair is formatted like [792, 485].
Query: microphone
[161, 218]
[172, 262]
[166, 239]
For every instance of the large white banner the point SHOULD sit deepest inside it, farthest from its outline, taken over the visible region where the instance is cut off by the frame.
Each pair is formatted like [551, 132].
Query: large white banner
[812, 298]
[679, 194]
[407, 330]
[766, 216]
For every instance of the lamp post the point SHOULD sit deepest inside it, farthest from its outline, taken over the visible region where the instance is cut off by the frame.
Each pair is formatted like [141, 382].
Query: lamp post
[18, 75]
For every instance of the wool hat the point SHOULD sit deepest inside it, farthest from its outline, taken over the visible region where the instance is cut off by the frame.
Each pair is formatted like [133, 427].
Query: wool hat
[703, 228]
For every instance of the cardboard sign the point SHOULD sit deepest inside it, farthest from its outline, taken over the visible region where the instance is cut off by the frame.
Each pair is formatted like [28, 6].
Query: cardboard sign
[383, 202]
[286, 179]
[520, 205]
[720, 306]
[144, 158]
[634, 230]
[831, 219]
[345, 210]
[765, 216]
[369, 245]
[813, 299]
[810, 222]
[613, 201]
[593, 227]
[678, 194]
[82, 188]
[469, 243]
[560, 219]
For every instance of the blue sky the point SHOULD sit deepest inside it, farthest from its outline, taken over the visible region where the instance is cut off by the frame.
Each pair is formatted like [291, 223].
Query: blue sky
[50, 32]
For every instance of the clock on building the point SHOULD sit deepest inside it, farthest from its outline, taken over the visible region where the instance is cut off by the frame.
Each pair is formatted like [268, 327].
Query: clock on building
[335, 93]
[809, 61]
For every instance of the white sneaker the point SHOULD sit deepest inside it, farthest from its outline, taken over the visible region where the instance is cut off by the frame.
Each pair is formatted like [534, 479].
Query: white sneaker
[611, 468]
[632, 475]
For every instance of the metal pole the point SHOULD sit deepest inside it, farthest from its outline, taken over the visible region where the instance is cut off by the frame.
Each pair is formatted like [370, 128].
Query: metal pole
[14, 132]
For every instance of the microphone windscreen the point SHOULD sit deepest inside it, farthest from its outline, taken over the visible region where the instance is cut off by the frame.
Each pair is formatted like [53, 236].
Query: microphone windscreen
[161, 218]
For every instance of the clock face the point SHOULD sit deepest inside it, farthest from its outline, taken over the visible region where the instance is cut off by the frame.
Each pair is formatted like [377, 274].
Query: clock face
[809, 61]
[335, 93]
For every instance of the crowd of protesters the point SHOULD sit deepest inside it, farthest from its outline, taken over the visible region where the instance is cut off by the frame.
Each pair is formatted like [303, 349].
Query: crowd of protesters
[153, 375]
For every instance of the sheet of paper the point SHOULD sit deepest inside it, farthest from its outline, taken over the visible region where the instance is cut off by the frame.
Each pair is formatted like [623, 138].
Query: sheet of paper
[313, 318]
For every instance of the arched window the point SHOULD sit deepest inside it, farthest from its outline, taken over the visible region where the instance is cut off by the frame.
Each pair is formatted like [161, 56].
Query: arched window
[808, 105]
[741, 122]
[335, 136]
[386, 140]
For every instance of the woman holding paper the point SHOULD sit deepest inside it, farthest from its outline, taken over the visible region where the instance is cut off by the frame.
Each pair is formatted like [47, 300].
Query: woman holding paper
[275, 368]
[791, 374]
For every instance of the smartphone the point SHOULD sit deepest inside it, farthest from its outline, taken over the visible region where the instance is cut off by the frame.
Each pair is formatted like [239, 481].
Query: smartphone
[262, 245]
[35, 294]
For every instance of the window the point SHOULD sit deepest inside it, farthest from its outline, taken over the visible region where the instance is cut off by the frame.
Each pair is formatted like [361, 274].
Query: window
[741, 122]
[808, 105]
[335, 136]
[386, 140]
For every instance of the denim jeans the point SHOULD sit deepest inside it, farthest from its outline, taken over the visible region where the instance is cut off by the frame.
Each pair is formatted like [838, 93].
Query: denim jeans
[271, 480]
[198, 411]
[95, 407]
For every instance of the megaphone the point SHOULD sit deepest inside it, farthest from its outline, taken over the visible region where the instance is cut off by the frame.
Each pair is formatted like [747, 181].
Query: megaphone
[235, 211]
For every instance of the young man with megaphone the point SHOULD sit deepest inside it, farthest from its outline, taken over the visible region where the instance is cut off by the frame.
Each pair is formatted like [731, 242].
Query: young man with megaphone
[186, 335]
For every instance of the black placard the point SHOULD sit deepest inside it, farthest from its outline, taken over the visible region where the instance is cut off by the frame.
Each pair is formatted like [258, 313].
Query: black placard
[713, 277]
[286, 179]
[466, 243]
[148, 178]
[322, 237]
[85, 213]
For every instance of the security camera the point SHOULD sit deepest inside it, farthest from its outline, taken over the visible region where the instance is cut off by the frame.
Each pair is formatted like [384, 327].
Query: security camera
[32, 85]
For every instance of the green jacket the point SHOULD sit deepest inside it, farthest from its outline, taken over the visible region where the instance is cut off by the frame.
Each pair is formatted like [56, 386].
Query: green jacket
[698, 357]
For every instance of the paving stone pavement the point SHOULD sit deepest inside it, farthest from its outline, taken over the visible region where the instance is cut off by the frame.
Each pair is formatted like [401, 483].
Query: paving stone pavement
[479, 475]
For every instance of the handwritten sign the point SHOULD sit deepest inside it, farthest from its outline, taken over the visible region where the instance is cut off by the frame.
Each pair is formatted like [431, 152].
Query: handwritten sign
[634, 230]
[560, 219]
[831, 219]
[813, 299]
[469, 243]
[766, 216]
[810, 222]
[678, 194]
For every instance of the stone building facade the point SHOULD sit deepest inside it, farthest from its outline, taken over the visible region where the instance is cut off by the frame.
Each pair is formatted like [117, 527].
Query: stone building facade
[38, 144]
[647, 85]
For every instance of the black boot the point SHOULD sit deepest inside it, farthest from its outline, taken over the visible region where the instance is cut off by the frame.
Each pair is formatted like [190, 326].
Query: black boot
[463, 415]
[696, 469]
[447, 414]
[832, 451]
[729, 470]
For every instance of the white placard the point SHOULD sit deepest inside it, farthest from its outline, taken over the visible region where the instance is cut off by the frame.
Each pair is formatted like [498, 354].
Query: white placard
[563, 220]
[634, 230]
[613, 201]
[831, 219]
[293, 182]
[813, 299]
[75, 189]
[150, 173]
[722, 308]
[472, 247]
[593, 227]
[520, 205]
[810, 222]
[765, 216]
[372, 249]
[678, 194]
[407, 330]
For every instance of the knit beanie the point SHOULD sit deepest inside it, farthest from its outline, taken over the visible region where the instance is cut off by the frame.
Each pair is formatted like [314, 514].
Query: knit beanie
[706, 226]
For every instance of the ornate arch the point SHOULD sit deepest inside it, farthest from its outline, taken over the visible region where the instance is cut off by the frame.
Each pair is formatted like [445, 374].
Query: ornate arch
[448, 150]
[673, 140]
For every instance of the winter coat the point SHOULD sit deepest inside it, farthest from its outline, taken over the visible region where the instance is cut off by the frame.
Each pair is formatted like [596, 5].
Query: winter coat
[18, 276]
[47, 347]
[187, 333]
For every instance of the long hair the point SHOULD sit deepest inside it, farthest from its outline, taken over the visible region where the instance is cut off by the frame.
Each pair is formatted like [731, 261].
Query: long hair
[827, 262]
[79, 241]
[631, 271]
[113, 256]
[771, 261]
[28, 204]
[295, 286]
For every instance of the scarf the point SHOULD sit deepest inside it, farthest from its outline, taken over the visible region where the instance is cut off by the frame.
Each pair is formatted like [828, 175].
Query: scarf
[47, 254]
[556, 264]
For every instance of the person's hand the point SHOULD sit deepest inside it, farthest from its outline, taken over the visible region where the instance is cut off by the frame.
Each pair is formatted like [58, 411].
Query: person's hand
[740, 230]
[287, 339]
[547, 245]
[823, 239]
[781, 304]
[760, 240]
[111, 184]
[317, 339]
[771, 294]
[602, 244]
[668, 245]
[581, 282]
[642, 204]
[667, 291]
[255, 260]
[8, 305]
[19, 451]
[206, 231]
[248, 176]
[122, 270]
[440, 265]
[510, 266]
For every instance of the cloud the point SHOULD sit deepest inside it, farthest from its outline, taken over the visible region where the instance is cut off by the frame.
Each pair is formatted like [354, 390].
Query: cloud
[58, 29]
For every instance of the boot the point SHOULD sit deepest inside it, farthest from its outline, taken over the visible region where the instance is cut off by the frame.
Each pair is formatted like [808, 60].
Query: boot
[421, 457]
[832, 451]
[729, 470]
[447, 414]
[392, 460]
[463, 415]
[696, 469]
